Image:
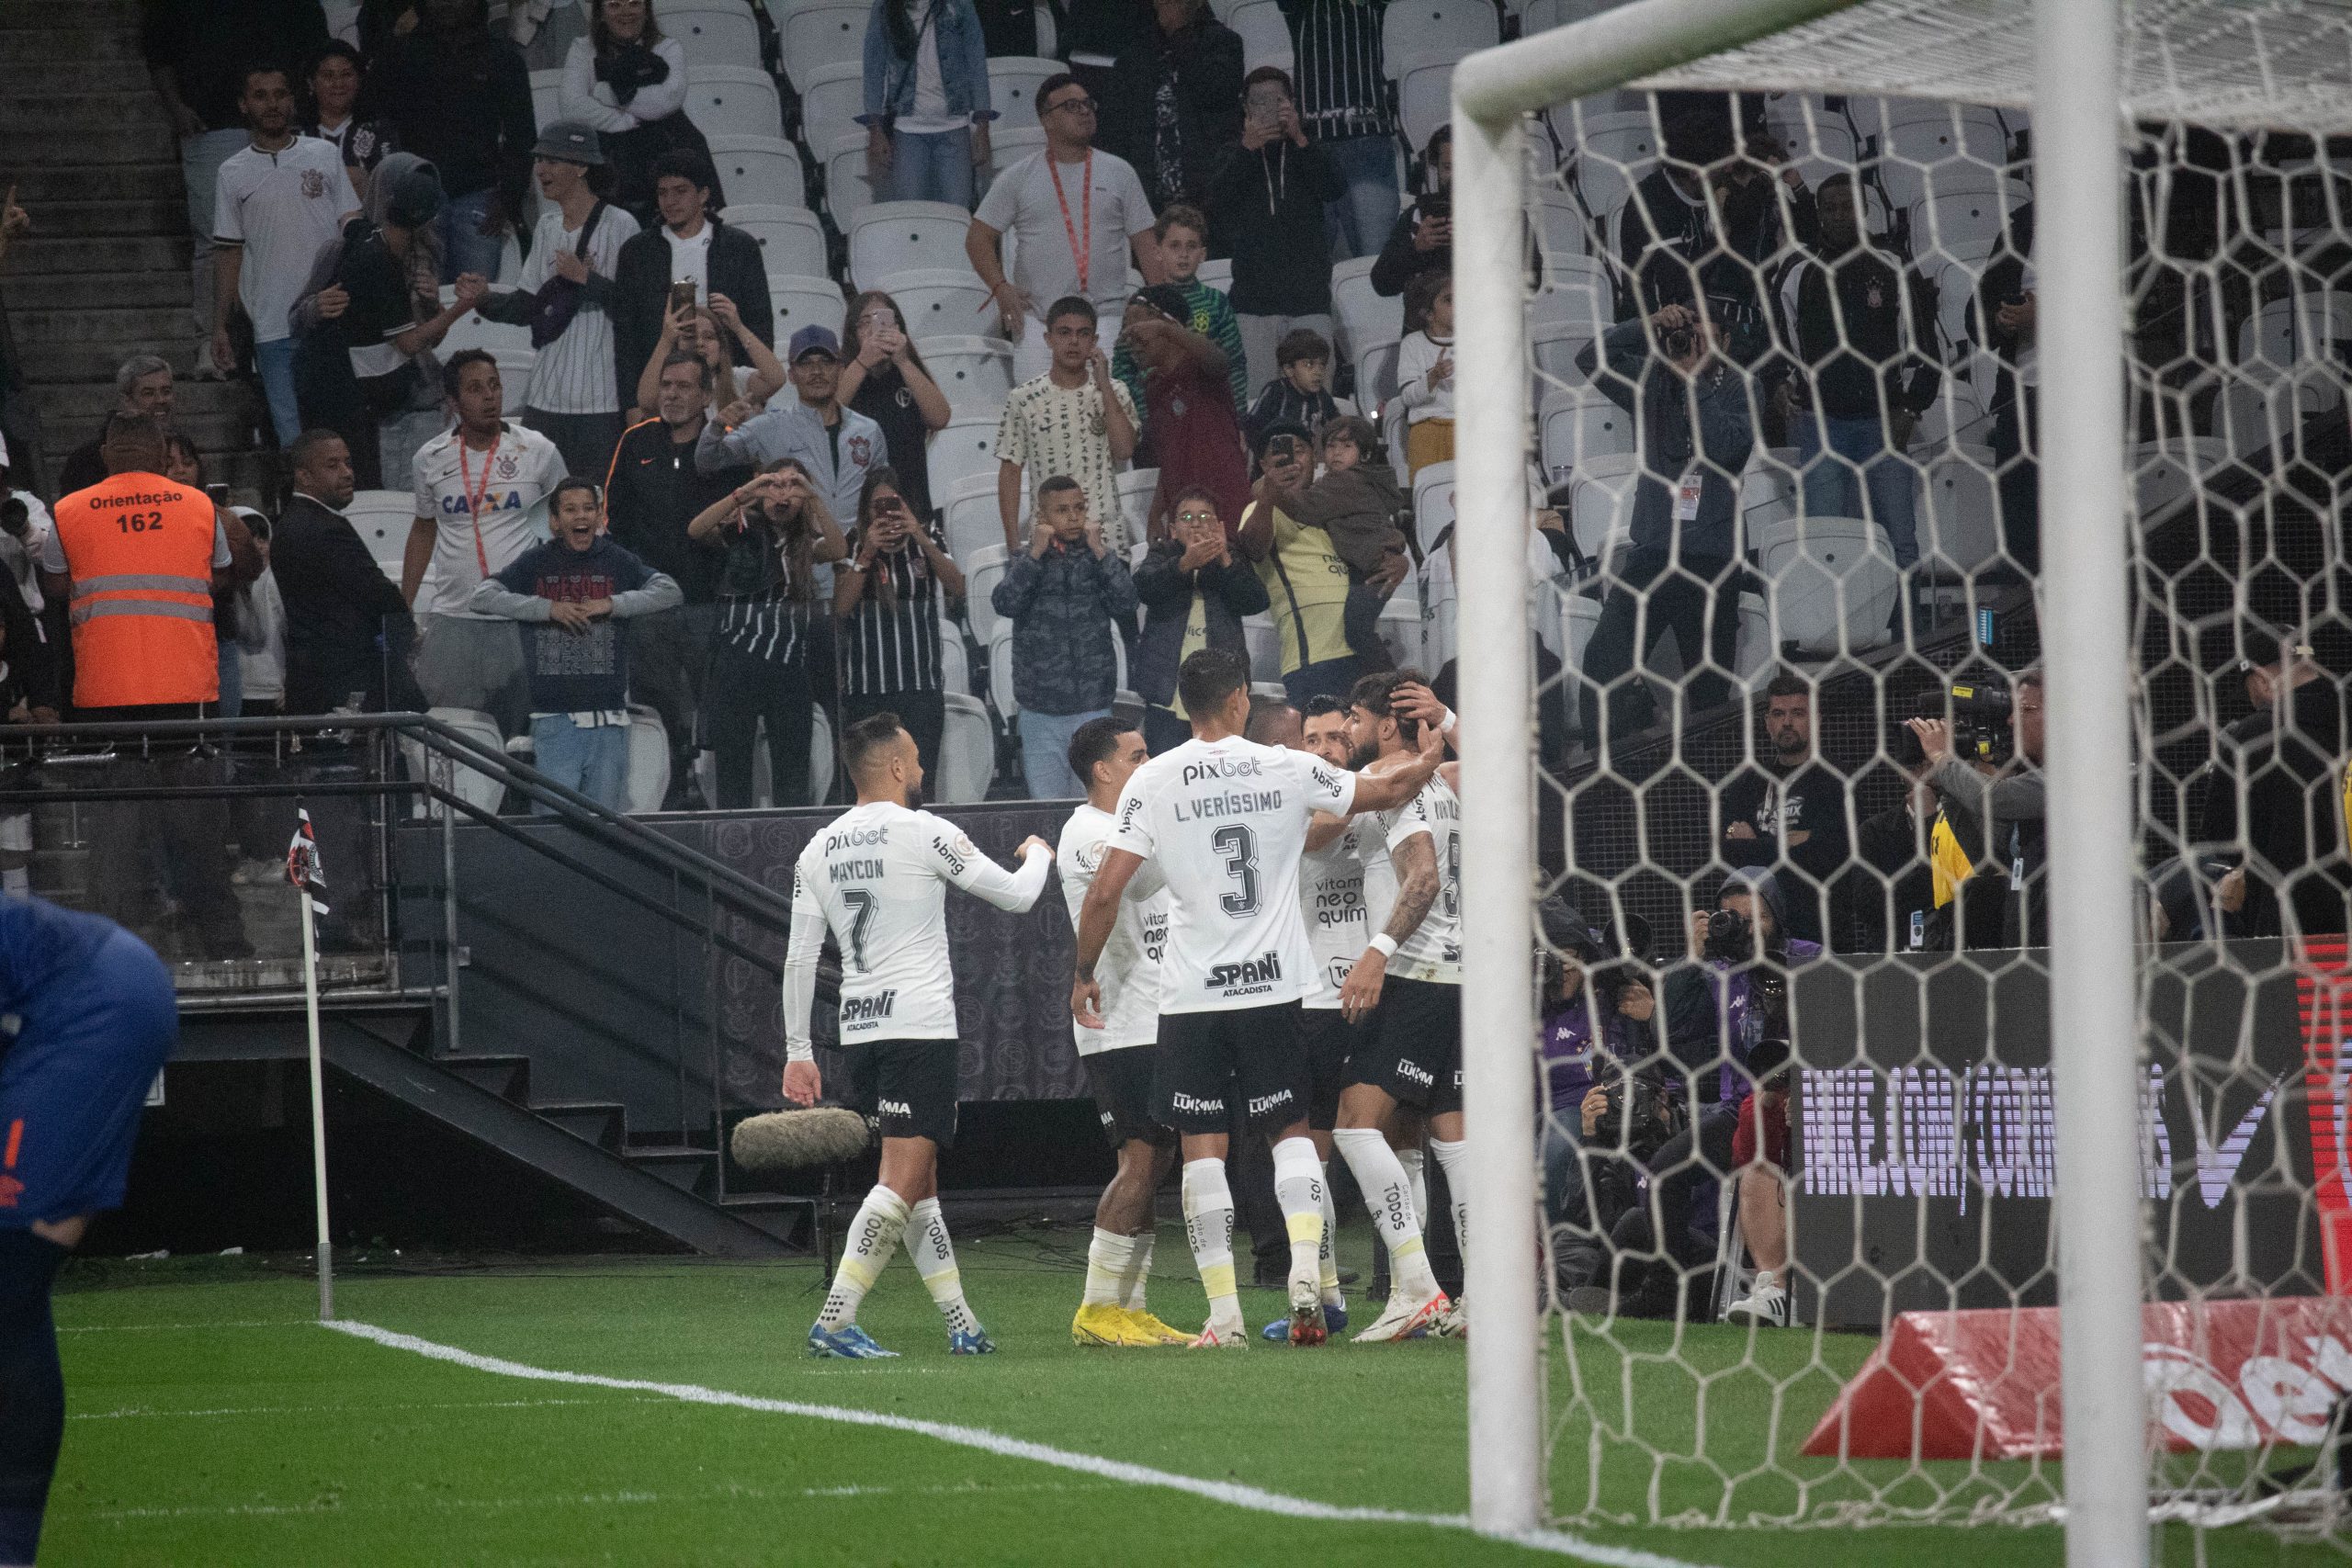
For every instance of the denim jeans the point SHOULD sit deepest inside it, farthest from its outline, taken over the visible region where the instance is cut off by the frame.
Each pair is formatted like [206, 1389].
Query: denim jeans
[593, 761]
[1369, 211]
[1835, 489]
[274, 361]
[464, 248]
[200, 158]
[931, 166]
[1044, 752]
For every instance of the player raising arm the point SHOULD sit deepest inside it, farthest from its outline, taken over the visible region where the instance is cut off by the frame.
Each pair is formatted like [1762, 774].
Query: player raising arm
[1226, 820]
[877, 877]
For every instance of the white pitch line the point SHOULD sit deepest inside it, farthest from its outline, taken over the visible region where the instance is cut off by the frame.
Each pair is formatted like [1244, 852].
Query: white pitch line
[1232, 1493]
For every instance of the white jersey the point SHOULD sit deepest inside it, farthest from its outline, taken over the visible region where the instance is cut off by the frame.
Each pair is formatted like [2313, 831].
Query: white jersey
[1434, 949]
[487, 508]
[1129, 968]
[1345, 891]
[877, 877]
[1226, 821]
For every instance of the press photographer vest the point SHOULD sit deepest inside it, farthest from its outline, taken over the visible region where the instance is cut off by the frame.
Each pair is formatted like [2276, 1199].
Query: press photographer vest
[139, 549]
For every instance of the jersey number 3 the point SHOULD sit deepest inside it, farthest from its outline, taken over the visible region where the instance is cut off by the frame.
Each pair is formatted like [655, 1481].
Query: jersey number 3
[861, 915]
[1239, 845]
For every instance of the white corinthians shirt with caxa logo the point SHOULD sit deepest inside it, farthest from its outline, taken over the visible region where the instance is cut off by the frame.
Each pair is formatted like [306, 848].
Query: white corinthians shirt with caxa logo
[1225, 822]
[1129, 968]
[877, 878]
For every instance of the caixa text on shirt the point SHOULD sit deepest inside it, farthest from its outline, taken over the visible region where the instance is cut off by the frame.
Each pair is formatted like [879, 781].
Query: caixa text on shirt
[868, 1010]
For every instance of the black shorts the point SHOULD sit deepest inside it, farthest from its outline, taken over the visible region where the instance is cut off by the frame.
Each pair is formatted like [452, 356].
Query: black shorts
[1120, 1081]
[1330, 1041]
[1412, 1048]
[906, 1088]
[1207, 1060]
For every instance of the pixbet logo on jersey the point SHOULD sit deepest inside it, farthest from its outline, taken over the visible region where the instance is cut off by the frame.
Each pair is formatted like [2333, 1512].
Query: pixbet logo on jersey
[857, 839]
[1222, 768]
[1258, 971]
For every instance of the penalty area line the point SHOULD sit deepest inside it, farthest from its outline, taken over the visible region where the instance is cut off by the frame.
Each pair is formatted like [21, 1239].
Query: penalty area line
[1232, 1493]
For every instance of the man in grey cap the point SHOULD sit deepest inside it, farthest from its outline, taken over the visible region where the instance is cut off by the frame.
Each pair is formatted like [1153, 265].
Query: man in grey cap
[838, 446]
[565, 297]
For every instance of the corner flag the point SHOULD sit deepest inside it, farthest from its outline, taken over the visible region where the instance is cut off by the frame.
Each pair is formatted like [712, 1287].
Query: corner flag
[302, 867]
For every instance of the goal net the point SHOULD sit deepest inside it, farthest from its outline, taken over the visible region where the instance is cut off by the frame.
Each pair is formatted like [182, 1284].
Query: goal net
[1800, 1106]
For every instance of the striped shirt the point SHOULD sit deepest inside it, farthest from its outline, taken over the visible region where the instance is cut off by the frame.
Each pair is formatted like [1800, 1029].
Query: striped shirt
[575, 372]
[1342, 90]
[895, 647]
[758, 612]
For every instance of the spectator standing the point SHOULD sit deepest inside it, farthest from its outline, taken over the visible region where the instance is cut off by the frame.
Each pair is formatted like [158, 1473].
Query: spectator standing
[690, 244]
[2276, 803]
[334, 82]
[651, 497]
[1425, 371]
[927, 99]
[570, 591]
[196, 57]
[1063, 596]
[278, 203]
[369, 316]
[1789, 814]
[184, 467]
[459, 96]
[565, 296]
[1267, 202]
[144, 385]
[1176, 101]
[892, 602]
[2006, 807]
[1192, 428]
[1074, 421]
[482, 492]
[1865, 338]
[1345, 99]
[1075, 214]
[2004, 317]
[1193, 594]
[1182, 235]
[1692, 421]
[886, 380]
[260, 633]
[341, 611]
[774, 531]
[1307, 580]
[707, 335]
[1299, 394]
[1357, 503]
[628, 83]
[1422, 240]
[839, 448]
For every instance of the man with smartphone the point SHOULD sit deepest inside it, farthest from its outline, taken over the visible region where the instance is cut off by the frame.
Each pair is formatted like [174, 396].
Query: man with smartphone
[692, 258]
[1422, 240]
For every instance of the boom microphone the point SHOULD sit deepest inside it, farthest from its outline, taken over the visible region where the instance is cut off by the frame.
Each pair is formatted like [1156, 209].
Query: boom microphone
[800, 1140]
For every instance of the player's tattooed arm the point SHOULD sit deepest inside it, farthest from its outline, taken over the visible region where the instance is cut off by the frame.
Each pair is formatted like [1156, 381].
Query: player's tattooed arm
[1095, 920]
[1417, 889]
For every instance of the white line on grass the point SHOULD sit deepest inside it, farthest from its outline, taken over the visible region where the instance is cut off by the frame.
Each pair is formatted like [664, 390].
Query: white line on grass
[162, 1412]
[1232, 1493]
[408, 1505]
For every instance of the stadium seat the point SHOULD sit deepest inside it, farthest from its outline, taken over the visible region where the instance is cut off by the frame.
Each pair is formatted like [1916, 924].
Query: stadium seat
[546, 95]
[1578, 614]
[954, 663]
[972, 523]
[967, 753]
[1000, 687]
[1265, 34]
[733, 100]
[1400, 627]
[974, 372]
[1264, 641]
[1432, 507]
[821, 35]
[1769, 492]
[1415, 27]
[1013, 89]
[1961, 225]
[907, 236]
[792, 242]
[762, 171]
[1579, 425]
[1954, 419]
[849, 190]
[1136, 486]
[1958, 518]
[648, 756]
[805, 301]
[469, 784]
[1559, 227]
[1930, 145]
[514, 366]
[1831, 584]
[1008, 147]
[384, 518]
[1425, 91]
[2310, 327]
[1615, 151]
[712, 33]
[982, 574]
[1553, 346]
[472, 331]
[965, 449]
[1217, 274]
[1376, 373]
[1600, 503]
[1752, 654]
[1819, 142]
[1576, 297]
[942, 303]
[832, 102]
[1364, 316]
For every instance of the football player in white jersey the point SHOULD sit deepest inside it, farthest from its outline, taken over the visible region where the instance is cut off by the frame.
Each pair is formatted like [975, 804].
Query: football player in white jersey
[1117, 1057]
[877, 878]
[1407, 985]
[1226, 820]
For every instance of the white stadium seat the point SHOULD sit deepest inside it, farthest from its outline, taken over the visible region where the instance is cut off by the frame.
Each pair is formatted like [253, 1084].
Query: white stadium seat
[547, 95]
[967, 753]
[974, 372]
[762, 171]
[1264, 641]
[1411, 28]
[1579, 425]
[475, 789]
[907, 236]
[954, 663]
[471, 330]
[831, 103]
[1600, 506]
[1615, 151]
[1136, 486]
[965, 449]
[1217, 274]
[712, 33]
[818, 36]
[849, 187]
[1770, 491]
[942, 303]
[733, 100]
[1830, 585]
[1007, 148]
[982, 574]
[514, 366]
[1957, 513]
[649, 759]
[384, 518]
[973, 524]
[1265, 34]
[1962, 225]
[1014, 81]
[2305, 329]
[1425, 92]
[1364, 316]
[792, 242]
[1432, 506]
[1000, 687]
[805, 301]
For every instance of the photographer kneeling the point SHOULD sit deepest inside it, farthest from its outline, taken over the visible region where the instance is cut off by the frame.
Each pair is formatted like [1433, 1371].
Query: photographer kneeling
[2007, 801]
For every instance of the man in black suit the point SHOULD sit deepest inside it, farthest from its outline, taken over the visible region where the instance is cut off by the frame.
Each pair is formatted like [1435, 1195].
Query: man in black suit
[691, 245]
[340, 606]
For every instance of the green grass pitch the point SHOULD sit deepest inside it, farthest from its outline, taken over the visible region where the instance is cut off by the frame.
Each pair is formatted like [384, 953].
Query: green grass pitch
[211, 1423]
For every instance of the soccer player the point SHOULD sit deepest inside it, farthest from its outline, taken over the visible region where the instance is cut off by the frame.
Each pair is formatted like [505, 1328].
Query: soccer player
[87, 1017]
[1412, 1055]
[1225, 819]
[877, 878]
[1118, 1056]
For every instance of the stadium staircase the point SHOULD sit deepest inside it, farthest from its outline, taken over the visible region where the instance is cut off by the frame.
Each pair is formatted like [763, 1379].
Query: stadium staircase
[104, 274]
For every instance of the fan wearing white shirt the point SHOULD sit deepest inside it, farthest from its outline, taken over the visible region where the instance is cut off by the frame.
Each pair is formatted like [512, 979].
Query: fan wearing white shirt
[876, 878]
[1226, 820]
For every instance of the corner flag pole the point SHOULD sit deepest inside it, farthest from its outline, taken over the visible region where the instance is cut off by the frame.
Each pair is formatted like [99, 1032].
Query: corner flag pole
[309, 883]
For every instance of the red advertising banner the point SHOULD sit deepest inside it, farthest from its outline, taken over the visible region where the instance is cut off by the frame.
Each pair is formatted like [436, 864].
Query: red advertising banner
[2323, 1002]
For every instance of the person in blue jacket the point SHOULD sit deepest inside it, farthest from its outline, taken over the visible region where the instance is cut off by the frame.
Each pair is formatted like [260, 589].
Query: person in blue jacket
[927, 106]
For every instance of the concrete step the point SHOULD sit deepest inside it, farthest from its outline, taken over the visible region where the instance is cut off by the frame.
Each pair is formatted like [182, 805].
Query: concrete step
[688, 1169]
[73, 112]
[87, 404]
[37, 16]
[40, 256]
[99, 290]
[786, 1219]
[49, 363]
[601, 1123]
[108, 141]
[38, 188]
[168, 324]
[110, 218]
[74, 46]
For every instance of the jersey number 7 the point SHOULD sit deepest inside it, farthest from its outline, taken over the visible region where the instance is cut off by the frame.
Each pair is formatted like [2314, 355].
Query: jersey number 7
[861, 915]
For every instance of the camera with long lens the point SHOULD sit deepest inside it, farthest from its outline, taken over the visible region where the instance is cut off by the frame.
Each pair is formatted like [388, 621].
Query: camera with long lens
[1644, 1112]
[1979, 712]
[1731, 937]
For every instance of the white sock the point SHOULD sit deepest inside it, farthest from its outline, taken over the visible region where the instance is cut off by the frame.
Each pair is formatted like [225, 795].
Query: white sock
[1138, 1271]
[1389, 1196]
[872, 1237]
[1298, 1188]
[1326, 1256]
[1106, 1267]
[1415, 1169]
[1208, 1224]
[1454, 1160]
[934, 1257]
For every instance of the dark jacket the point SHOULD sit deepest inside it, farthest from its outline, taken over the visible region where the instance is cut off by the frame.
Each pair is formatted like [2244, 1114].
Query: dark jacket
[1061, 606]
[1229, 593]
[1266, 211]
[1663, 402]
[337, 600]
[32, 671]
[1207, 56]
[1399, 262]
[1280, 403]
[2010, 809]
[1671, 247]
[652, 492]
[462, 102]
[207, 47]
[2290, 771]
[642, 293]
[1854, 344]
[1812, 801]
[575, 671]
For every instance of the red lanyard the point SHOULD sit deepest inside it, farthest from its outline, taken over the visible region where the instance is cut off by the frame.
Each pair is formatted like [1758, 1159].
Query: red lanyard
[1080, 253]
[474, 496]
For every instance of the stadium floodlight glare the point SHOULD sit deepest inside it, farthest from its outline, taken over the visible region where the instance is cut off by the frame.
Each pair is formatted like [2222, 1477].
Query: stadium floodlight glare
[2077, 110]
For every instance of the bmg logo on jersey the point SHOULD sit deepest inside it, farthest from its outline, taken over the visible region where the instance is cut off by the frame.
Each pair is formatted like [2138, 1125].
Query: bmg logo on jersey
[869, 1010]
[1263, 970]
[954, 854]
[1222, 768]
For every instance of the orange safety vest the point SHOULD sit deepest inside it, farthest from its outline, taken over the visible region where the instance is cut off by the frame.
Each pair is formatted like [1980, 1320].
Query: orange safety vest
[139, 549]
